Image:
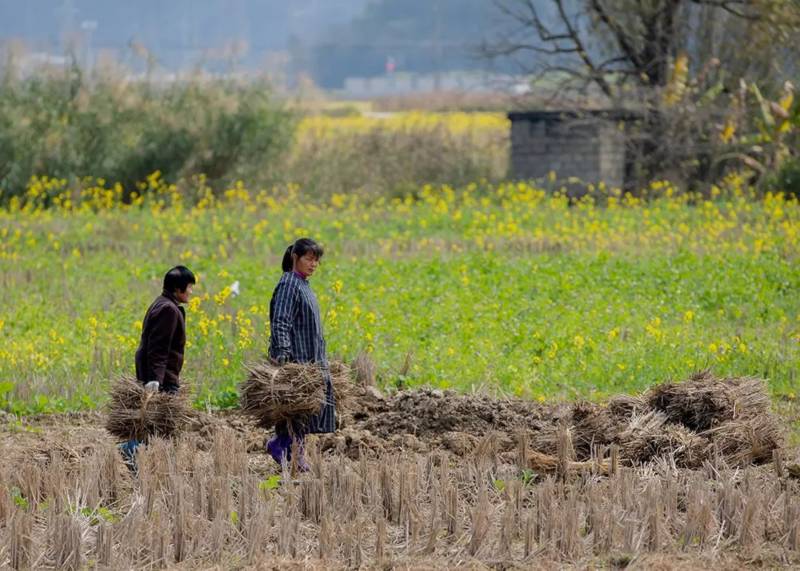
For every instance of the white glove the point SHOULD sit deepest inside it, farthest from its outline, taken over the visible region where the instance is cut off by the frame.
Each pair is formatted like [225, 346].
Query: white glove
[152, 387]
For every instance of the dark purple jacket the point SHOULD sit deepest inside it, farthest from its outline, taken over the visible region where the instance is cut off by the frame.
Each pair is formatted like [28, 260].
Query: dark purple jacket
[160, 354]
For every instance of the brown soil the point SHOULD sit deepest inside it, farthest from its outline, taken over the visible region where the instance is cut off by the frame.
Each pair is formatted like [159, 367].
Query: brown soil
[425, 420]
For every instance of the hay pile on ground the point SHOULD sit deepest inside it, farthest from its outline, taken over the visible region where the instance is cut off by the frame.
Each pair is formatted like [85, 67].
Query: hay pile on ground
[705, 401]
[135, 413]
[272, 394]
[746, 441]
[701, 419]
[725, 418]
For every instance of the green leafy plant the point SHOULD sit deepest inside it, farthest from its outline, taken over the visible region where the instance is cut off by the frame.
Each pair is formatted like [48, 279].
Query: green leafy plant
[271, 483]
[19, 500]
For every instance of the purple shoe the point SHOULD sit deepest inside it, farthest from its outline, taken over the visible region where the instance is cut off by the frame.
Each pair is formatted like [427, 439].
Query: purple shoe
[280, 448]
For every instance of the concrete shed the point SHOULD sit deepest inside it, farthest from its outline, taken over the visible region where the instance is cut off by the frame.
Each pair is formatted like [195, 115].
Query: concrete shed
[588, 145]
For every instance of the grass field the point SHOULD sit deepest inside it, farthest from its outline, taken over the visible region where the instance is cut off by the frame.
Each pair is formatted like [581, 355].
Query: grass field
[497, 285]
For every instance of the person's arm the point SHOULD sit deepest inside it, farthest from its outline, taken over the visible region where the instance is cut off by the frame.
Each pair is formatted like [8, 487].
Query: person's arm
[165, 322]
[283, 314]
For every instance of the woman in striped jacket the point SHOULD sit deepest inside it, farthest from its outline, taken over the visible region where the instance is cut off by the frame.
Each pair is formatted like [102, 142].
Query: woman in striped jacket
[296, 337]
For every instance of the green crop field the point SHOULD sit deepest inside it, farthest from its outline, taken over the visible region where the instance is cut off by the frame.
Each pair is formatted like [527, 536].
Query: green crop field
[498, 286]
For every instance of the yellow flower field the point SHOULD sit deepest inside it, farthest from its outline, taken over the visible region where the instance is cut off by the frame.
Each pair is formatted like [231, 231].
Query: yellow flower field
[501, 285]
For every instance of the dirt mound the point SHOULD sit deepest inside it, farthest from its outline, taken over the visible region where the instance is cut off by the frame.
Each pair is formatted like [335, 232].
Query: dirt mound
[430, 419]
[427, 413]
[702, 418]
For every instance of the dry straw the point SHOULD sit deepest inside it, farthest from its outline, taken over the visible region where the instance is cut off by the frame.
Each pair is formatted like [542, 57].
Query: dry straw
[294, 391]
[216, 507]
[342, 378]
[691, 421]
[744, 442]
[705, 401]
[135, 413]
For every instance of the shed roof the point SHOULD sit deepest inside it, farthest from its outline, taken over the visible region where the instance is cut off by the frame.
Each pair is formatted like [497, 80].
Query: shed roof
[607, 114]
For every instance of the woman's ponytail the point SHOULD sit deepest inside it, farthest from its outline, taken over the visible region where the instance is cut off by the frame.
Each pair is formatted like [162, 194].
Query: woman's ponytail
[287, 264]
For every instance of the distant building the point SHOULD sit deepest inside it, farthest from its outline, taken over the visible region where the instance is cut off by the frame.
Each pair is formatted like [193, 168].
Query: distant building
[404, 83]
[586, 145]
[30, 64]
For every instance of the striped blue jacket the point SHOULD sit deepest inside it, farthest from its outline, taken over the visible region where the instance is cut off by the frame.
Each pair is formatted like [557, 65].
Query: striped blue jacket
[296, 336]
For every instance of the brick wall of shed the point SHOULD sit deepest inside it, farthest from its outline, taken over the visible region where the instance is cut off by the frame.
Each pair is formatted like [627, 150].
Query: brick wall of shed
[592, 150]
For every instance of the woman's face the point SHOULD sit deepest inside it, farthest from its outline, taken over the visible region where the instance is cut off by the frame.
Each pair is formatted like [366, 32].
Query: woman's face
[306, 264]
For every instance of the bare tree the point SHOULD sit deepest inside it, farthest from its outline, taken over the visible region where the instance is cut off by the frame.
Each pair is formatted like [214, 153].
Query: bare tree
[646, 54]
[616, 44]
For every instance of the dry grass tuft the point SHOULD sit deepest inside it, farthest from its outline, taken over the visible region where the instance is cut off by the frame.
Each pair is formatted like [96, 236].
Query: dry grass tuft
[364, 366]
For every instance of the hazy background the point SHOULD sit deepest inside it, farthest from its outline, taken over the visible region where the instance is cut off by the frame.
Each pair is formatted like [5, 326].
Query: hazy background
[327, 41]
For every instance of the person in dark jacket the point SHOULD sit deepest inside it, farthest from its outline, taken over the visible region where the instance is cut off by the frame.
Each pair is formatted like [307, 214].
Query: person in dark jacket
[159, 358]
[296, 337]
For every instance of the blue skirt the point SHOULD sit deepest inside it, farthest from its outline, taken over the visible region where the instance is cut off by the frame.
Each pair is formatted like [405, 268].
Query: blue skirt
[325, 421]
[321, 423]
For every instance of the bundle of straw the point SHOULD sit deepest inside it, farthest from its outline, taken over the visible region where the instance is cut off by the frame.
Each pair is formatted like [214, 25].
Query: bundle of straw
[705, 401]
[548, 464]
[342, 379]
[625, 406]
[687, 447]
[135, 413]
[640, 440]
[592, 425]
[744, 442]
[271, 393]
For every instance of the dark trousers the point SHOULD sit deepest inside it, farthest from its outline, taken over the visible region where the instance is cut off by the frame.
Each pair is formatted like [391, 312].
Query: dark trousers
[295, 428]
